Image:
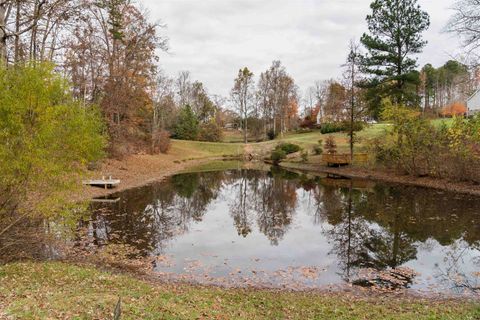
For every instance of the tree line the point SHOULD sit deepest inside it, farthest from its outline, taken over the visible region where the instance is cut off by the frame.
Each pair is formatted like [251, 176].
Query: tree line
[269, 107]
[387, 67]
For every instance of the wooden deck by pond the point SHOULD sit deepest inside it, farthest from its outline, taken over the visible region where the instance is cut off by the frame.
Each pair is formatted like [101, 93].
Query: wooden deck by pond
[104, 183]
[343, 159]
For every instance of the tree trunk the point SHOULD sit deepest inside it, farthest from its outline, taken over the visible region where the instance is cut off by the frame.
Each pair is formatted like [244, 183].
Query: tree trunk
[17, 31]
[3, 35]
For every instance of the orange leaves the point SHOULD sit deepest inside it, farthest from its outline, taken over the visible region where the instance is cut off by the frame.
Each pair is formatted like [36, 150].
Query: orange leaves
[455, 109]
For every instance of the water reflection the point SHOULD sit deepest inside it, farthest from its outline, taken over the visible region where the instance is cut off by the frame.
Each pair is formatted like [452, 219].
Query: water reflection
[361, 232]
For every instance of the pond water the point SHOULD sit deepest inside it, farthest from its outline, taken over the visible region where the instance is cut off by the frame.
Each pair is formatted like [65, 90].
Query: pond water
[282, 229]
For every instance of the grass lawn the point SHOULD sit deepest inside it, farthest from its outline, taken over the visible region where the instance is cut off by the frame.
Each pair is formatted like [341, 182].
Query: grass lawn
[438, 122]
[57, 290]
[233, 146]
[309, 140]
[219, 165]
[185, 150]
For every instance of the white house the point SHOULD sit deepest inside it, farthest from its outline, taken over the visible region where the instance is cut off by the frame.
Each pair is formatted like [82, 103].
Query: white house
[473, 103]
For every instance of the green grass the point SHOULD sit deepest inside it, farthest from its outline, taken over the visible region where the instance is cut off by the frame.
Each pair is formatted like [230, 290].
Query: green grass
[185, 150]
[196, 149]
[56, 290]
[219, 165]
[309, 140]
[438, 122]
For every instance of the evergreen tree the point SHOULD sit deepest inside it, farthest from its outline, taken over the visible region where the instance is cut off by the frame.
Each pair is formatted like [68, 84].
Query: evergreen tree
[395, 34]
[187, 124]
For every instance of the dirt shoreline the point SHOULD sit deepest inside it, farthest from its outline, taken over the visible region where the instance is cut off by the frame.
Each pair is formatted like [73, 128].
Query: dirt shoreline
[388, 177]
[136, 171]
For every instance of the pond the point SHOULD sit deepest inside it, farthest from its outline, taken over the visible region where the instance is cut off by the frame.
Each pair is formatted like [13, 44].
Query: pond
[280, 229]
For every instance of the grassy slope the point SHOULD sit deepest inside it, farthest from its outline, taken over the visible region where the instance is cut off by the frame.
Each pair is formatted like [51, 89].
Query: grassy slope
[62, 291]
[185, 150]
[309, 140]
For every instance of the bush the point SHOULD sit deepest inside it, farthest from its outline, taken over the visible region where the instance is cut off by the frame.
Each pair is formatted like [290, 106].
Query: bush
[161, 142]
[304, 156]
[277, 156]
[415, 146]
[308, 123]
[288, 148]
[211, 132]
[271, 134]
[45, 135]
[332, 127]
[186, 127]
[318, 150]
[331, 145]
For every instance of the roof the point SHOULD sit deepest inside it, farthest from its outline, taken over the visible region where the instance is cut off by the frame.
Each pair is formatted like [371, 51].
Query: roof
[473, 95]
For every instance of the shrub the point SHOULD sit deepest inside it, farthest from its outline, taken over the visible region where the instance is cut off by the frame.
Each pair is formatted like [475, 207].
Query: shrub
[277, 156]
[304, 156]
[288, 148]
[186, 127]
[161, 142]
[318, 150]
[414, 146]
[271, 134]
[210, 131]
[331, 145]
[331, 127]
[45, 136]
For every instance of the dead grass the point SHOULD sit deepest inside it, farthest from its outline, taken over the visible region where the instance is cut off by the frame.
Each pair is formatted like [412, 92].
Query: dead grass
[56, 290]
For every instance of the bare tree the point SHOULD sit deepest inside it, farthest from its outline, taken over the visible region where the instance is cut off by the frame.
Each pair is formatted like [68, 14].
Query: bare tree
[242, 94]
[465, 22]
[275, 94]
[352, 76]
[163, 102]
[184, 88]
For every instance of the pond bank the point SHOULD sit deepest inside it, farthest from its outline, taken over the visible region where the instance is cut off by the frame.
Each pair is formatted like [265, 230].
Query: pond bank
[64, 291]
[138, 170]
[354, 172]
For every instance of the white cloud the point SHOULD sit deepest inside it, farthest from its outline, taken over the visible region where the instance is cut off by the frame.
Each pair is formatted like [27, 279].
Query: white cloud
[214, 38]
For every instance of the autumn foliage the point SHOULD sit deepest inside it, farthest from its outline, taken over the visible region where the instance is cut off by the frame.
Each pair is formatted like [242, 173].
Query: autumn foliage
[455, 109]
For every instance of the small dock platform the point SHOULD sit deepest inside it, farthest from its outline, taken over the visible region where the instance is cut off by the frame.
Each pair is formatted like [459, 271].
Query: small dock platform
[105, 200]
[338, 160]
[103, 183]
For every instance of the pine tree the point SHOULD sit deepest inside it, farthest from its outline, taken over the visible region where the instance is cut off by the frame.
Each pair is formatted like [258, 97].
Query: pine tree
[395, 34]
[187, 125]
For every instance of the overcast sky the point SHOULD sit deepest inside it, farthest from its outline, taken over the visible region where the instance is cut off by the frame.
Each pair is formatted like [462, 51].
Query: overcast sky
[214, 38]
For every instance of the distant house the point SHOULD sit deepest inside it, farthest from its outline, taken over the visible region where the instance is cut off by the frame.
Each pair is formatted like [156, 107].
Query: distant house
[319, 117]
[473, 103]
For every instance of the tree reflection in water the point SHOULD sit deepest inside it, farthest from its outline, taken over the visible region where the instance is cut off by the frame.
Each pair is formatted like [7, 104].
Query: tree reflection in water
[367, 226]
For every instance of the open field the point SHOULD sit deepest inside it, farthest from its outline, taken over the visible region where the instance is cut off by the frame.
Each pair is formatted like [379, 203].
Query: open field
[185, 150]
[64, 291]
[309, 140]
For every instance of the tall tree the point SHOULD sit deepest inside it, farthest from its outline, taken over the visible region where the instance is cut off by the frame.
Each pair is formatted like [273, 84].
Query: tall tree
[352, 78]
[444, 86]
[112, 60]
[275, 93]
[186, 127]
[242, 94]
[395, 34]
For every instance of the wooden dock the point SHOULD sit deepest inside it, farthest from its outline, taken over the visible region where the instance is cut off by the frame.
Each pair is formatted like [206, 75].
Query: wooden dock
[105, 200]
[104, 183]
